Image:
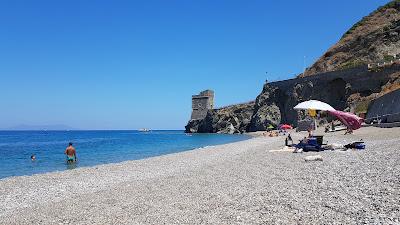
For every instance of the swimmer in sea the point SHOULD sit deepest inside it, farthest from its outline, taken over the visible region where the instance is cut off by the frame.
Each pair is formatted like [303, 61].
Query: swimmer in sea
[71, 153]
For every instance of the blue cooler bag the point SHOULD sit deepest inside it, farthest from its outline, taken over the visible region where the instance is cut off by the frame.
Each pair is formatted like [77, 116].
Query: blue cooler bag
[360, 146]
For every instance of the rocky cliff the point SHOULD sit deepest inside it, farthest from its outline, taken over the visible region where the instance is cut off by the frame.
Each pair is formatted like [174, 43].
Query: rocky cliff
[351, 90]
[374, 39]
[230, 119]
[340, 77]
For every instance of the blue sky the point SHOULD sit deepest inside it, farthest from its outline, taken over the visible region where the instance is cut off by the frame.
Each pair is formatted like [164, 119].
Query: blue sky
[132, 64]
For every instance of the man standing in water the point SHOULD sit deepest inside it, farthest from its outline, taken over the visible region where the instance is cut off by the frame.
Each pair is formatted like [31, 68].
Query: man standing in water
[71, 153]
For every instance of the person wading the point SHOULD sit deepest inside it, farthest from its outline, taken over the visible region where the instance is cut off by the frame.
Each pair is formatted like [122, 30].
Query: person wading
[71, 153]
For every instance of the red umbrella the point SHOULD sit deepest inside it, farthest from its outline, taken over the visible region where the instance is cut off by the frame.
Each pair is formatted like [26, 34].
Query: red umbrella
[286, 126]
[350, 120]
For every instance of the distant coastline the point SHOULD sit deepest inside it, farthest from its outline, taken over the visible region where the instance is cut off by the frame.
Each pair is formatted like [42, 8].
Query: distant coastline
[24, 127]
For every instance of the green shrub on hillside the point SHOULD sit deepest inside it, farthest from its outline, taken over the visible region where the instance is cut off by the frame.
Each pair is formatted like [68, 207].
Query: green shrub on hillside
[362, 107]
[359, 23]
[388, 58]
[351, 64]
[386, 29]
[392, 4]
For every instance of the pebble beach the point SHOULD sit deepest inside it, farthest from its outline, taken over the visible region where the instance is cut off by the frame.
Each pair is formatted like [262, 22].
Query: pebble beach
[237, 183]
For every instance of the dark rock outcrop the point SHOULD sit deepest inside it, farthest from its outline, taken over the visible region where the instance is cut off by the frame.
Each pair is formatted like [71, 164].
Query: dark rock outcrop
[266, 110]
[230, 119]
[350, 89]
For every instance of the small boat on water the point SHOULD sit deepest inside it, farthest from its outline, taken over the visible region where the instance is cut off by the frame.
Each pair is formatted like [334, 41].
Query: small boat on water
[144, 130]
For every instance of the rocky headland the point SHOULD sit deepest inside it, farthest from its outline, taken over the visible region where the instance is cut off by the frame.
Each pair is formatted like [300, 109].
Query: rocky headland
[229, 119]
[361, 67]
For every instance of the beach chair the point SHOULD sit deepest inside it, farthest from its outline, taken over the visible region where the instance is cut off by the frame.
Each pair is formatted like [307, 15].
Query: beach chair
[311, 145]
[320, 139]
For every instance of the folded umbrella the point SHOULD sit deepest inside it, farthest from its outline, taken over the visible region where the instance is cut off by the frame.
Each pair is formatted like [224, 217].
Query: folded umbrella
[350, 120]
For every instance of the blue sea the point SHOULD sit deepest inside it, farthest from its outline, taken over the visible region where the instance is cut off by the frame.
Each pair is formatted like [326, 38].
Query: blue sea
[93, 148]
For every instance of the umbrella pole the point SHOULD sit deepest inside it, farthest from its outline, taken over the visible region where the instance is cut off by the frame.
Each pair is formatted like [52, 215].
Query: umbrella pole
[315, 123]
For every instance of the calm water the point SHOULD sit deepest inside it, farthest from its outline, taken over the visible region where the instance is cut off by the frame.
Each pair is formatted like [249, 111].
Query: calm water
[93, 147]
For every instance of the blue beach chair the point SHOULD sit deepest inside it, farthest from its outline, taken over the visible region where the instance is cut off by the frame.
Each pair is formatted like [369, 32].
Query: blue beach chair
[311, 145]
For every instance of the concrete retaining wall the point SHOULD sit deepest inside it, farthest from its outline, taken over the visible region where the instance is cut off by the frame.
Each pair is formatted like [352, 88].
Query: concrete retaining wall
[386, 107]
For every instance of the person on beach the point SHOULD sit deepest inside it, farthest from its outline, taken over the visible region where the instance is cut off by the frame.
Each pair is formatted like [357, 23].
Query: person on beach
[289, 138]
[309, 132]
[71, 153]
[327, 128]
[348, 131]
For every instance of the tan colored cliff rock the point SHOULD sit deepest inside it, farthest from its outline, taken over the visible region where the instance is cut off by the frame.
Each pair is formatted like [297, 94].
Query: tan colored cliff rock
[375, 38]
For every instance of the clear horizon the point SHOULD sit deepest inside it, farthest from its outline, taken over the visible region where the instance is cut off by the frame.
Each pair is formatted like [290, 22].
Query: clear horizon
[104, 65]
[62, 127]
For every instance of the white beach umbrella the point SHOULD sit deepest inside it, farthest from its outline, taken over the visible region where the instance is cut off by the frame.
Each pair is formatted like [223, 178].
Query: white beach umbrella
[315, 105]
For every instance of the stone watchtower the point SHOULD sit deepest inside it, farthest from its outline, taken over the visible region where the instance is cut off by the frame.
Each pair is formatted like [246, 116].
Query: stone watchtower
[201, 103]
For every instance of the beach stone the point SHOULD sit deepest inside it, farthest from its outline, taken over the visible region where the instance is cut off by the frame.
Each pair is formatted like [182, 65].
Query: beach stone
[313, 158]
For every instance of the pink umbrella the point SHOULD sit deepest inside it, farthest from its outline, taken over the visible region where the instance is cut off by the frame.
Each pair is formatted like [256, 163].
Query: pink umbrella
[350, 120]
